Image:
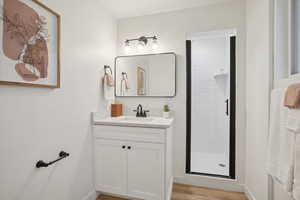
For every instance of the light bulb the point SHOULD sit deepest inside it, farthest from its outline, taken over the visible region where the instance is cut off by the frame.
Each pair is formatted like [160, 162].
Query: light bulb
[141, 45]
[154, 43]
[127, 46]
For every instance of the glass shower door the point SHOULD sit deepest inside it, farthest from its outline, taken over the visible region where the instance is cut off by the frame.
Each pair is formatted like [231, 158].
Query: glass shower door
[210, 105]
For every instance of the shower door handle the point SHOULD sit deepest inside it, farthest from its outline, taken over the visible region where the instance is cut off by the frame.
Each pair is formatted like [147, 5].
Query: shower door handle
[227, 104]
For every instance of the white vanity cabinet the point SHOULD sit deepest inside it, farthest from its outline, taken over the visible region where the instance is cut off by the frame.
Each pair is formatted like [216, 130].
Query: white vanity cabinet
[110, 166]
[133, 162]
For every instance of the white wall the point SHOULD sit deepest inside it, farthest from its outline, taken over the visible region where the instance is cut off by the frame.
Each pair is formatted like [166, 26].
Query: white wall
[172, 29]
[37, 123]
[258, 87]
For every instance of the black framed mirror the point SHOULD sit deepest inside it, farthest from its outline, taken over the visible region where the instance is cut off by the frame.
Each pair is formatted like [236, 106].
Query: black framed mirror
[149, 75]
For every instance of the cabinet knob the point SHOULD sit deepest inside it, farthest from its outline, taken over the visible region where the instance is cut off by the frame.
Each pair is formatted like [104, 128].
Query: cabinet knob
[129, 147]
[123, 147]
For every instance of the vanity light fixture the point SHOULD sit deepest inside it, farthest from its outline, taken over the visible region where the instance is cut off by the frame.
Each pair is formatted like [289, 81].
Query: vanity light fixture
[142, 42]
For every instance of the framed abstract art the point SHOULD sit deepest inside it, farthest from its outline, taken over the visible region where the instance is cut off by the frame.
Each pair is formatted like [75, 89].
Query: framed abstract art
[29, 44]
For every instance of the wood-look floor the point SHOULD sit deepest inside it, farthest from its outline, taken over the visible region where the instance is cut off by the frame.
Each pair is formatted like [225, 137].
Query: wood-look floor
[187, 192]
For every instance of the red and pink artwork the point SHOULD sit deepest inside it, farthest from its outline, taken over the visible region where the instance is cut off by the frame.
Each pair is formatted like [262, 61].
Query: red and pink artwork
[31, 52]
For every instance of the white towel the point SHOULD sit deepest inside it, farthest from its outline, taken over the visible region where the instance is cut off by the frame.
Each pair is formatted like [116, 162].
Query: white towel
[293, 127]
[124, 86]
[108, 90]
[109, 95]
[280, 161]
[296, 186]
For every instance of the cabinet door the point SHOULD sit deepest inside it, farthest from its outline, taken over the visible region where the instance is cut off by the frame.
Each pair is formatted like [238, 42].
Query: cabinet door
[111, 166]
[146, 171]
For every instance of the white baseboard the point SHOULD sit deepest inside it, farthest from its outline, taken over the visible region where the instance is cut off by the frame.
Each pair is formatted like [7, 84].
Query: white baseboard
[249, 194]
[170, 189]
[92, 195]
[210, 182]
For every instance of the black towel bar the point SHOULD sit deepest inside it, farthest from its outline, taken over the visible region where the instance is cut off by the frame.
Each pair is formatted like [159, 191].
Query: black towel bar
[41, 163]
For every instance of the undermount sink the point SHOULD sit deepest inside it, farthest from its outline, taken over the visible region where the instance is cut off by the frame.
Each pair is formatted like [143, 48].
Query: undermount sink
[156, 122]
[132, 118]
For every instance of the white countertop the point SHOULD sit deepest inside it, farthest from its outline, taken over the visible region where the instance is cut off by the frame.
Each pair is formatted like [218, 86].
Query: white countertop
[132, 121]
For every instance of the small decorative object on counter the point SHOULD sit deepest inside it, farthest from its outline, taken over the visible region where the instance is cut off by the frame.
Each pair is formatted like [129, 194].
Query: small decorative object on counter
[116, 110]
[166, 112]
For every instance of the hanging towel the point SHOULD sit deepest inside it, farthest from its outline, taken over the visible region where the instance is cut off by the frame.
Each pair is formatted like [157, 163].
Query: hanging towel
[108, 76]
[124, 84]
[107, 89]
[125, 80]
[292, 96]
[109, 80]
[296, 182]
[122, 88]
[280, 160]
[293, 127]
[127, 85]
[109, 95]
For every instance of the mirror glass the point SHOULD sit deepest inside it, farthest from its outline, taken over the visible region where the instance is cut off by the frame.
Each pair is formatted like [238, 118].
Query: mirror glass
[146, 75]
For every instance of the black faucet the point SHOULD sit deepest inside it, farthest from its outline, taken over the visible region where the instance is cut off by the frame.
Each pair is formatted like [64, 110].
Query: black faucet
[140, 112]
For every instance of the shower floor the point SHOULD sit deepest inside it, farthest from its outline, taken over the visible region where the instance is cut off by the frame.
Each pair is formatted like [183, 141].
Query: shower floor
[207, 163]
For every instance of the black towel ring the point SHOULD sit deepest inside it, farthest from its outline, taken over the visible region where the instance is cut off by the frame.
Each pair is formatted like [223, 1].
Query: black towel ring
[107, 67]
[124, 73]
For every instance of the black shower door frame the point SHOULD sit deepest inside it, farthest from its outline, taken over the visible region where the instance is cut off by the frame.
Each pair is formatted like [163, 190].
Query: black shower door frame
[232, 119]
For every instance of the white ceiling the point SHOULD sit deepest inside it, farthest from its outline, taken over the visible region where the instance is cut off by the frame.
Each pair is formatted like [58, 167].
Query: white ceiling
[132, 8]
